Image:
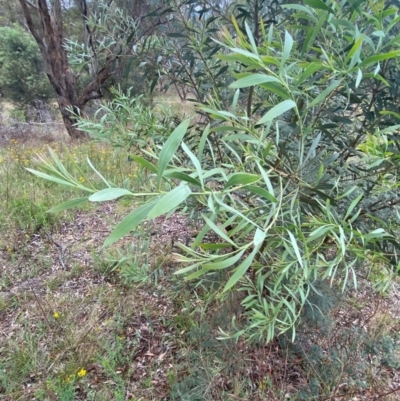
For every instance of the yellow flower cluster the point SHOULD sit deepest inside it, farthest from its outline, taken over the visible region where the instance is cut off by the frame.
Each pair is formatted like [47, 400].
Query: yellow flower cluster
[81, 373]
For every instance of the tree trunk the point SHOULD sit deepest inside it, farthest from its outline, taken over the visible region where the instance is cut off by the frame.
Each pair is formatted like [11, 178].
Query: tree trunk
[68, 119]
[50, 39]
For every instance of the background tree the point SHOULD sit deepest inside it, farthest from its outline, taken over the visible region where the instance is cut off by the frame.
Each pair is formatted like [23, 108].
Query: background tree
[10, 13]
[21, 68]
[45, 22]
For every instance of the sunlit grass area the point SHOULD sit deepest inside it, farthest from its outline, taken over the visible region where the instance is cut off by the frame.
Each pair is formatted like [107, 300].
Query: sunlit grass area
[26, 198]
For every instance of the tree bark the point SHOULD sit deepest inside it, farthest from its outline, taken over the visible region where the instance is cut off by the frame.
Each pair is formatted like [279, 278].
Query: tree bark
[50, 39]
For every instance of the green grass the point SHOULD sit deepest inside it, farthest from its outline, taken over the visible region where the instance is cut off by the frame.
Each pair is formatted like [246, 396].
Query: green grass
[78, 322]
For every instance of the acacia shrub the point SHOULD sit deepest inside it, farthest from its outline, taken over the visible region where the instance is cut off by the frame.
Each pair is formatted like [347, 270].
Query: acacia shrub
[302, 191]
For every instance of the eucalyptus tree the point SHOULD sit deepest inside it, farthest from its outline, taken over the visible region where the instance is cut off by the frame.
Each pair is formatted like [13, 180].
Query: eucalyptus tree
[101, 49]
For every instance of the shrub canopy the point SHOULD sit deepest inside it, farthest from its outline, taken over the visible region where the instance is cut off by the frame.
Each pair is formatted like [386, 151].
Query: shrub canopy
[22, 76]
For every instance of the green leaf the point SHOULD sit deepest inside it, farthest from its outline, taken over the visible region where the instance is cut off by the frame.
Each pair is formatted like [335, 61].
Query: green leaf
[295, 248]
[240, 271]
[53, 179]
[379, 57]
[188, 268]
[68, 205]
[217, 230]
[220, 245]
[97, 172]
[319, 232]
[266, 179]
[262, 192]
[325, 93]
[129, 223]
[245, 53]
[58, 163]
[378, 234]
[183, 177]
[170, 201]
[311, 69]
[108, 194]
[376, 76]
[235, 101]
[270, 60]
[319, 4]
[241, 179]
[297, 7]
[240, 137]
[353, 205]
[145, 163]
[224, 263]
[311, 151]
[252, 80]
[207, 267]
[237, 57]
[392, 128]
[202, 142]
[354, 51]
[223, 115]
[226, 128]
[276, 88]
[259, 238]
[287, 47]
[359, 78]
[390, 113]
[195, 162]
[277, 111]
[234, 211]
[176, 35]
[170, 147]
[342, 240]
[312, 33]
[251, 38]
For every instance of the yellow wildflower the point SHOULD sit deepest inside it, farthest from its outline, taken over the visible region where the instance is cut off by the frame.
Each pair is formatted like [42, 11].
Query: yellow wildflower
[82, 373]
[56, 315]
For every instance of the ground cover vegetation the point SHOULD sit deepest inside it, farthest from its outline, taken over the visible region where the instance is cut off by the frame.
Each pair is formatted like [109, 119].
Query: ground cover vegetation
[265, 224]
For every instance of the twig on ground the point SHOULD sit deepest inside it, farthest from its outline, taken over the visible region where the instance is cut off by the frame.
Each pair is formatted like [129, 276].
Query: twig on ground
[61, 253]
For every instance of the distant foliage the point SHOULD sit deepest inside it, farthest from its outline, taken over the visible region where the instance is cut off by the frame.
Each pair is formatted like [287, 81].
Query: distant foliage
[126, 121]
[22, 76]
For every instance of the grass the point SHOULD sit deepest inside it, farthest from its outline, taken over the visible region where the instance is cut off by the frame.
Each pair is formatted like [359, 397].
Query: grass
[79, 322]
